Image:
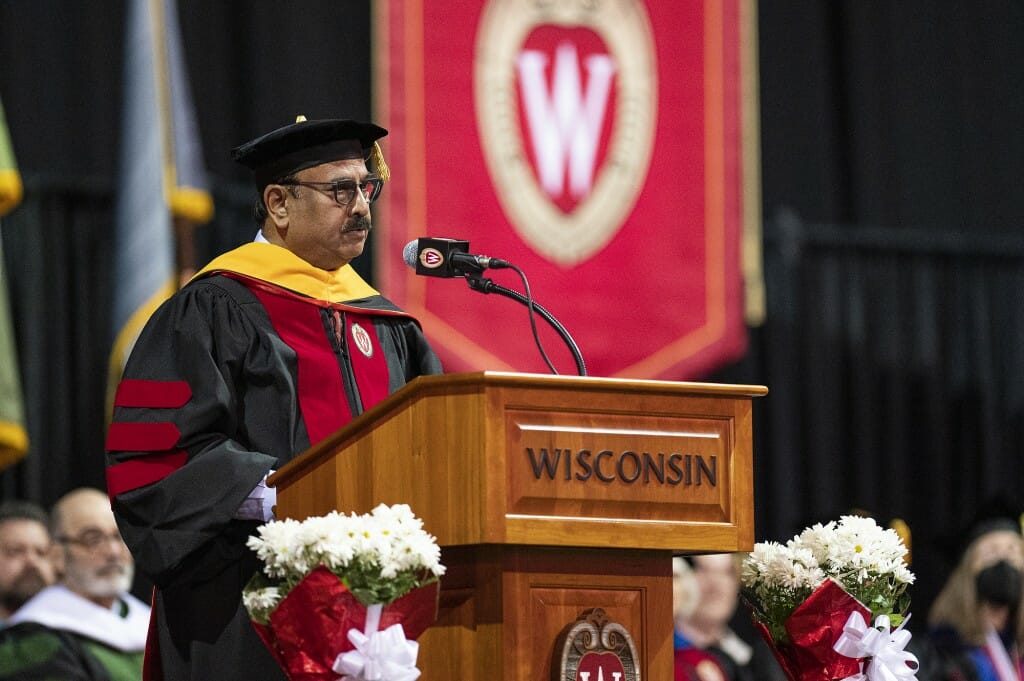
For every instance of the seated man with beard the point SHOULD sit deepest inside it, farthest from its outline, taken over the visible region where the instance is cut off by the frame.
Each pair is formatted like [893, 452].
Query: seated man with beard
[87, 626]
[26, 567]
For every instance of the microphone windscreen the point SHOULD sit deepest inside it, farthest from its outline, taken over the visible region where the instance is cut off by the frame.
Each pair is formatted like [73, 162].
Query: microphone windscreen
[411, 252]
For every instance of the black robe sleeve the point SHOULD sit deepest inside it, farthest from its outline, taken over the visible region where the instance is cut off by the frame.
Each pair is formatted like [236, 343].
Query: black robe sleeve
[204, 337]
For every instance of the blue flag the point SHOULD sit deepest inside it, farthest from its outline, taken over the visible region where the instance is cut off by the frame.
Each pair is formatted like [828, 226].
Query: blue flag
[162, 174]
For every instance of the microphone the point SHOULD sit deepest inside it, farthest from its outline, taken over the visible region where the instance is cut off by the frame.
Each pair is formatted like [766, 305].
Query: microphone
[451, 258]
[435, 257]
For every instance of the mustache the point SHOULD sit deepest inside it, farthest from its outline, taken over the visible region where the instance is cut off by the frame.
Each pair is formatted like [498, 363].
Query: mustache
[361, 222]
[112, 568]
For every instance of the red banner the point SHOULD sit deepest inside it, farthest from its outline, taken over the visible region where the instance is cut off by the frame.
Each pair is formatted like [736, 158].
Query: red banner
[600, 147]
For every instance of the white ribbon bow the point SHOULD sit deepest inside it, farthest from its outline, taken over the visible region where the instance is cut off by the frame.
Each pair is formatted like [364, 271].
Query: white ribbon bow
[889, 662]
[379, 655]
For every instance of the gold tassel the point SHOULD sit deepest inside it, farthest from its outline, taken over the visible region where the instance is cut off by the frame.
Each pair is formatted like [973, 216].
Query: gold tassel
[377, 157]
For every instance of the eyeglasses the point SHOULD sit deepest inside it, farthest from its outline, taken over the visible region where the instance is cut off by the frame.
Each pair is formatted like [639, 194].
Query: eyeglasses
[344, 191]
[93, 540]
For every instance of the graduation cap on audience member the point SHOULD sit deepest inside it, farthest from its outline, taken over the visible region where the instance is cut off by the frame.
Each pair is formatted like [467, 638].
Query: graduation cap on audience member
[306, 143]
[996, 514]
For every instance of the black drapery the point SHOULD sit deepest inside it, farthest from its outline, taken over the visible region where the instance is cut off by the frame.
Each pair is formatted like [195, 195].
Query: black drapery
[55, 247]
[891, 156]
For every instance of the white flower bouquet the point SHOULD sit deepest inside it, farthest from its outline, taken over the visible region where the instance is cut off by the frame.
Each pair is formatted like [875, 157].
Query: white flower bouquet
[345, 594]
[815, 597]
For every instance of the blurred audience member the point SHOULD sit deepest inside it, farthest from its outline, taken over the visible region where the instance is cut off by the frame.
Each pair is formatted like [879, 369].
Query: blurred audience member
[706, 598]
[976, 624]
[25, 555]
[691, 664]
[87, 626]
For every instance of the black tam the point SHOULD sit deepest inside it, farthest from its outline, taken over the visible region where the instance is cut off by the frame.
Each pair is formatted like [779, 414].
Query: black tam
[305, 144]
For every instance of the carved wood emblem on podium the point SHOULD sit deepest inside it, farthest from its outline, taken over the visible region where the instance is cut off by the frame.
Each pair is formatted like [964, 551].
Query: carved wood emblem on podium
[597, 649]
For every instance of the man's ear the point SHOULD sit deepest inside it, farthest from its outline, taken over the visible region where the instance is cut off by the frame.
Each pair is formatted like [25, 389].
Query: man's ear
[275, 198]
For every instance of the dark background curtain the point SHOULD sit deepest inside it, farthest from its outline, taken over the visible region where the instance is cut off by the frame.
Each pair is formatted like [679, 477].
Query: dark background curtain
[892, 154]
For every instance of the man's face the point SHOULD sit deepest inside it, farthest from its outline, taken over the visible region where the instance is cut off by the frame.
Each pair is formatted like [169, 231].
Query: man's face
[97, 564]
[319, 230]
[25, 564]
[719, 583]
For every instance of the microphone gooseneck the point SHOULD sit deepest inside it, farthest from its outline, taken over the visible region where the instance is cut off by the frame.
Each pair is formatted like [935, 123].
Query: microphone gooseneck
[436, 257]
[485, 286]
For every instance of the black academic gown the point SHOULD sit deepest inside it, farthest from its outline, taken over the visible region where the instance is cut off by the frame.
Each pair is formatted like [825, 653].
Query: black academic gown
[261, 373]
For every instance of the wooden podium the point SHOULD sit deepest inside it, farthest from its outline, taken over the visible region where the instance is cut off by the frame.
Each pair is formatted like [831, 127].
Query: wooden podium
[549, 496]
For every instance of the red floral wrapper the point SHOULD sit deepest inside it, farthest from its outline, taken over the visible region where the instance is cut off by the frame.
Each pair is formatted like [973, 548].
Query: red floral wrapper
[813, 629]
[309, 628]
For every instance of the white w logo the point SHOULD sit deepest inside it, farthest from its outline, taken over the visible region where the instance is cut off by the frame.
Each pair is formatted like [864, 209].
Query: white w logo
[565, 123]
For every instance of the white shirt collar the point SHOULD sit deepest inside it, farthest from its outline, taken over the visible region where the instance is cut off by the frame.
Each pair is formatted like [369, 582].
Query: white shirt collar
[58, 608]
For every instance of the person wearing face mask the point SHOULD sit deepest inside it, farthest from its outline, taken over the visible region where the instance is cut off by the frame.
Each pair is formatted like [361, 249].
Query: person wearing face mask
[976, 624]
[86, 627]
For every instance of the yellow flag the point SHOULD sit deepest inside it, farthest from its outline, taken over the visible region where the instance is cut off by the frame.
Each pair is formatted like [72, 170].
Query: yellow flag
[10, 181]
[13, 437]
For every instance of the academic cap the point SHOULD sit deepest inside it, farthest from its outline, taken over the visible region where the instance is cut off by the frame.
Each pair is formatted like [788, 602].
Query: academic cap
[305, 144]
[996, 513]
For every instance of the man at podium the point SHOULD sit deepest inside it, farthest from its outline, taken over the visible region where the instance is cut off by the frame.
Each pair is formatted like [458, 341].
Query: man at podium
[268, 350]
